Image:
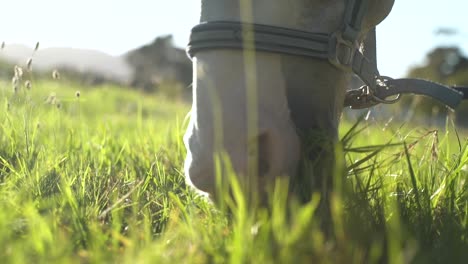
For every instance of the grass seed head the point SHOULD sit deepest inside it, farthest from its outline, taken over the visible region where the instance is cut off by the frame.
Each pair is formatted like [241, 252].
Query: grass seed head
[37, 47]
[55, 75]
[28, 84]
[15, 83]
[51, 99]
[29, 65]
[3, 45]
[18, 72]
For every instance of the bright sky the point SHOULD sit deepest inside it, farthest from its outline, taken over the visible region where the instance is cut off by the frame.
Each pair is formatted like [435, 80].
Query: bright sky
[116, 26]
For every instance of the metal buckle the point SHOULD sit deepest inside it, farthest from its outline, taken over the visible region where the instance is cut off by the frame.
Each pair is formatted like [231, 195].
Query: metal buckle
[360, 98]
[366, 97]
[342, 51]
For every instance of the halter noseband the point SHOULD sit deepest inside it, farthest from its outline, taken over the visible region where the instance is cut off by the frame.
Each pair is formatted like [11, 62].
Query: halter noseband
[341, 49]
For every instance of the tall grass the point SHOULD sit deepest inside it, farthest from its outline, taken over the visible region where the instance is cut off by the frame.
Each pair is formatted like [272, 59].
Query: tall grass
[99, 179]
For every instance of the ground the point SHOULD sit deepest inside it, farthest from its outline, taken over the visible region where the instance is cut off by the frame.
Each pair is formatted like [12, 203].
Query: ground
[95, 175]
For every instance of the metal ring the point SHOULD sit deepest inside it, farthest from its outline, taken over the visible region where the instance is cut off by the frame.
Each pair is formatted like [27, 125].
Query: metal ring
[381, 81]
[385, 101]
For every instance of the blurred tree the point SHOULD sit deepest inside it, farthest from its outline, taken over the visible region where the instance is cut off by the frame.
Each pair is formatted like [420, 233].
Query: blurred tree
[160, 64]
[446, 65]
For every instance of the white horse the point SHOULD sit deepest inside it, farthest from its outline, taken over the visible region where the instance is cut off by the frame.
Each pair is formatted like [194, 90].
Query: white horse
[268, 107]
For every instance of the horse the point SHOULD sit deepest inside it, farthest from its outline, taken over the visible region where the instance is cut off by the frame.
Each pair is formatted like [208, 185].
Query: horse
[268, 111]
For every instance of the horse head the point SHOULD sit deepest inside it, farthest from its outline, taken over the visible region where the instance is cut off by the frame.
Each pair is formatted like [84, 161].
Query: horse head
[280, 107]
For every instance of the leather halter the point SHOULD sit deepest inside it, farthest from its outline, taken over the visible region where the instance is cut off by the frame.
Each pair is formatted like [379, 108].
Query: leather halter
[340, 48]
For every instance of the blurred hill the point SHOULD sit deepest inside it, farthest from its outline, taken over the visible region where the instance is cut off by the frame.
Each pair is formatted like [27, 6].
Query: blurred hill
[158, 65]
[78, 61]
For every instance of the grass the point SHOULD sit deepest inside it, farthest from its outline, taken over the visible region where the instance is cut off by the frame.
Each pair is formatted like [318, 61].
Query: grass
[97, 179]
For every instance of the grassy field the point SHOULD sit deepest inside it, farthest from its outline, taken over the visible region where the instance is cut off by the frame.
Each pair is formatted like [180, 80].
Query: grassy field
[95, 176]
